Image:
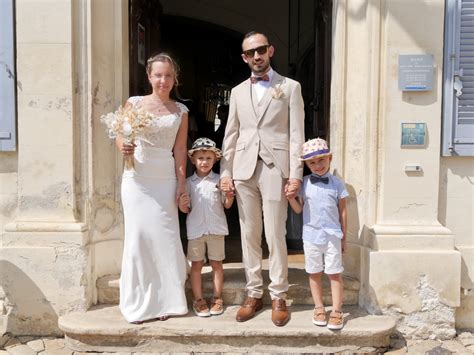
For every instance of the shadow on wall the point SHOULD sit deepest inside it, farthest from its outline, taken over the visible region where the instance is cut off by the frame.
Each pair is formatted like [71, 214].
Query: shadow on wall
[352, 257]
[26, 310]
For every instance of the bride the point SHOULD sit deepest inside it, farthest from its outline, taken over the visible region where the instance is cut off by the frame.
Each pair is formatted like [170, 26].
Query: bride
[153, 265]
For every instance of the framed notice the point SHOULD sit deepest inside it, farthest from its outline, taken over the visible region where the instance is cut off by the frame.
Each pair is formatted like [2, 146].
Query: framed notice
[413, 135]
[141, 45]
[415, 72]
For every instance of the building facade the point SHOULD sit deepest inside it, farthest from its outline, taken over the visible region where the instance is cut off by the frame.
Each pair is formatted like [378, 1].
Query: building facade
[411, 229]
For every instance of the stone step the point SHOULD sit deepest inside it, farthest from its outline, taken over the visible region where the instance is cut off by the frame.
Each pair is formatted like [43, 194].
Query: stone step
[103, 329]
[234, 286]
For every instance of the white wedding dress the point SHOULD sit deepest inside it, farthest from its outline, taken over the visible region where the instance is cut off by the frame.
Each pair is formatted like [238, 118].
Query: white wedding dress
[153, 264]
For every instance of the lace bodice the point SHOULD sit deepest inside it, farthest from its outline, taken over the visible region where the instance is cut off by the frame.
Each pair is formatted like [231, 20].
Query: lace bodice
[163, 130]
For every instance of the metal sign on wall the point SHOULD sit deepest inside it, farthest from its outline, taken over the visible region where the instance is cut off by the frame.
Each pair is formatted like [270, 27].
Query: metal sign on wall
[413, 134]
[415, 72]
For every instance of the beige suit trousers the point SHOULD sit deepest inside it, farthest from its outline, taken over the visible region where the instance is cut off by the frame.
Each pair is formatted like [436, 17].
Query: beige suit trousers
[263, 195]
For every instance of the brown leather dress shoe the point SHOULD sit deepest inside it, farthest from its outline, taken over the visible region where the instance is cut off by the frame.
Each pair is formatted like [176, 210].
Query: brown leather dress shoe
[280, 314]
[248, 309]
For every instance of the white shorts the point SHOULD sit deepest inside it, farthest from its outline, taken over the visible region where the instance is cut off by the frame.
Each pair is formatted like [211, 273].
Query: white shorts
[323, 257]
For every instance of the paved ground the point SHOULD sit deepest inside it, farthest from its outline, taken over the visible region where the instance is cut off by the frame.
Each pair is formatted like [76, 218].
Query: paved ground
[462, 344]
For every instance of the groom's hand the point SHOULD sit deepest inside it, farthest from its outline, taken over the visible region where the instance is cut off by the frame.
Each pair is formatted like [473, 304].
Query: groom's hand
[226, 185]
[292, 187]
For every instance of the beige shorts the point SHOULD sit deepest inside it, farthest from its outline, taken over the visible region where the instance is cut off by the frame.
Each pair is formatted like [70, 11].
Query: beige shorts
[213, 243]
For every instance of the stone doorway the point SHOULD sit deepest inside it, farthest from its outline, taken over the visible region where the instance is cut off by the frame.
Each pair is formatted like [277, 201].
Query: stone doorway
[205, 38]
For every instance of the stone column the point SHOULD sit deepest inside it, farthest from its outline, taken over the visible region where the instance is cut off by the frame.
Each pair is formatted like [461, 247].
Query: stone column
[408, 264]
[43, 257]
[72, 66]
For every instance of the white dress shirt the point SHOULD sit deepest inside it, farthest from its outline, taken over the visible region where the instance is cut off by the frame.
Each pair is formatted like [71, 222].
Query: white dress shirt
[207, 208]
[261, 86]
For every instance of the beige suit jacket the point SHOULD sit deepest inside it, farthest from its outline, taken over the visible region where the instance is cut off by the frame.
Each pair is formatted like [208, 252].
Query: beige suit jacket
[277, 125]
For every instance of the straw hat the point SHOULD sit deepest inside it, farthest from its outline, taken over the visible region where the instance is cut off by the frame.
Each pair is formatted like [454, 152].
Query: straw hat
[205, 144]
[316, 147]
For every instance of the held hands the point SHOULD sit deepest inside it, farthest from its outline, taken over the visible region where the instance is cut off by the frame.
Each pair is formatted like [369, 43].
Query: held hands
[183, 203]
[291, 188]
[227, 186]
[180, 191]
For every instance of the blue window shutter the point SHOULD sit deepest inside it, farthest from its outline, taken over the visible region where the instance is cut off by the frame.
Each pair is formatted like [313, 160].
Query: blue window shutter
[7, 78]
[458, 125]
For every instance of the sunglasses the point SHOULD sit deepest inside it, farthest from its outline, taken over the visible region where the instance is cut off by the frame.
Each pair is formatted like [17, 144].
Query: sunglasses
[250, 53]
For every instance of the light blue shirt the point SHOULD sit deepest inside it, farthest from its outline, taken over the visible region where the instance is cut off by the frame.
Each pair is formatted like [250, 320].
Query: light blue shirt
[320, 209]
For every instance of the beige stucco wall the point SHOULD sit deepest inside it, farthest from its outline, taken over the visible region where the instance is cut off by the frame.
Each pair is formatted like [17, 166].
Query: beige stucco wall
[8, 204]
[456, 211]
[8, 187]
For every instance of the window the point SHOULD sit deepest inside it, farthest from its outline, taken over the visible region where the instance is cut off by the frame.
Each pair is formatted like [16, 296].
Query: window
[7, 78]
[458, 95]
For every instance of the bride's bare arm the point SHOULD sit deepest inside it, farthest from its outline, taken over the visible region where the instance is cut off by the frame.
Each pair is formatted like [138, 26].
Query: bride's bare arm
[180, 155]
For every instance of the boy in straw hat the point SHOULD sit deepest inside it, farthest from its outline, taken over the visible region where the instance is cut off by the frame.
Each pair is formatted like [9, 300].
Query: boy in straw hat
[206, 224]
[322, 201]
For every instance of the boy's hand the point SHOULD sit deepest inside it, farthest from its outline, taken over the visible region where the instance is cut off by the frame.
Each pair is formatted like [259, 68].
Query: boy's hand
[292, 187]
[183, 203]
[343, 245]
[230, 194]
[289, 196]
[226, 185]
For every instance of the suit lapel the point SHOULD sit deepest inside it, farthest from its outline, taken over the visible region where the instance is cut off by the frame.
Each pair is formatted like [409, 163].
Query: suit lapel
[277, 79]
[249, 96]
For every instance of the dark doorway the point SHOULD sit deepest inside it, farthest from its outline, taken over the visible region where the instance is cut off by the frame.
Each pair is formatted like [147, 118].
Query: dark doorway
[209, 56]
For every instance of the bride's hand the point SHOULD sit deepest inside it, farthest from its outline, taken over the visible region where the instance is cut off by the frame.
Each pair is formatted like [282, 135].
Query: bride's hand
[128, 149]
[181, 189]
[125, 149]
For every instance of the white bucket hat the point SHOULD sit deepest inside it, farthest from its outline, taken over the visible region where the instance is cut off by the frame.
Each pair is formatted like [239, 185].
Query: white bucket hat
[205, 144]
[316, 147]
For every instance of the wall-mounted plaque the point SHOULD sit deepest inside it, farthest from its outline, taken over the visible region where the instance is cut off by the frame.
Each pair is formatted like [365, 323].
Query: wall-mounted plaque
[413, 134]
[415, 72]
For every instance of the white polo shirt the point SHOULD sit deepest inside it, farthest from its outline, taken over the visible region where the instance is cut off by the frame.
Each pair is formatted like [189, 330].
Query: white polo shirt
[207, 209]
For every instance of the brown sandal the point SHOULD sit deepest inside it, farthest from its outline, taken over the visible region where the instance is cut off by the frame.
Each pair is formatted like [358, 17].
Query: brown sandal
[217, 306]
[336, 320]
[319, 316]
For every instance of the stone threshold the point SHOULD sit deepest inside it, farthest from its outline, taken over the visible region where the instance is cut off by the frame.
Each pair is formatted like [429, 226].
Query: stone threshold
[234, 286]
[103, 329]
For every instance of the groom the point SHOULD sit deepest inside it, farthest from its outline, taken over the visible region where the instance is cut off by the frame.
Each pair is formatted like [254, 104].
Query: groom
[265, 130]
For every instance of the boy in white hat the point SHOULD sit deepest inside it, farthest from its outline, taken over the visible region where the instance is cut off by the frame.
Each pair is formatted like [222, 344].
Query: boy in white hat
[322, 199]
[206, 224]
